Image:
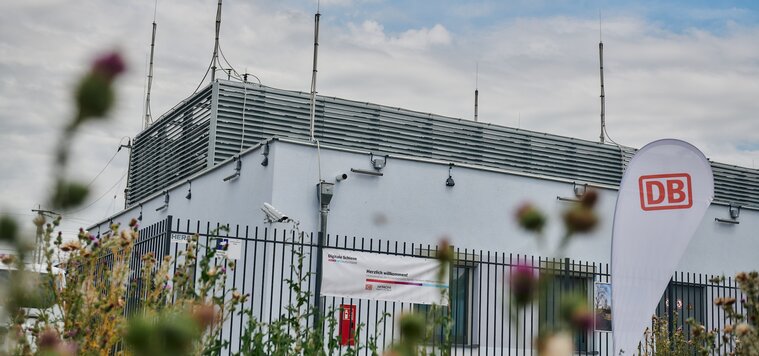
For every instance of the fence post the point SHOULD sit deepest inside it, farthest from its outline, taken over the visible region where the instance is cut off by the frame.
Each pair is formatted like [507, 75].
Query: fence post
[167, 242]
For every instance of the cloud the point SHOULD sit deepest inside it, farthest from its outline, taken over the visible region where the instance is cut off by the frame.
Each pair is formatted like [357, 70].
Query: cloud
[535, 72]
[371, 33]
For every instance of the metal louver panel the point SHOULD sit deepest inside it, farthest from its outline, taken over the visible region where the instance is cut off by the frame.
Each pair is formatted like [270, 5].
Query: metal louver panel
[173, 148]
[169, 151]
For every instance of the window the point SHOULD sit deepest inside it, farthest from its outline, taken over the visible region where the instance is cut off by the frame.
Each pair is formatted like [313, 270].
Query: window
[689, 302]
[567, 279]
[460, 289]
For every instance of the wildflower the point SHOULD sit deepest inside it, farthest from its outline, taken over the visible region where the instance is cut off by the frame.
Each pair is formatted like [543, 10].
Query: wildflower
[742, 329]
[133, 222]
[204, 315]
[212, 272]
[236, 295]
[48, 339]
[412, 327]
[67, 348]
[523, 284]
[39, 220]
[94, 95]
[7, 259]
[70, 246]
[728, 328]
[8, 228]
[69, 194]
[589, 199]
[741, 277]
[109, 65]
[556, 344]
[580, 219]
[530, 218]
[444, 251]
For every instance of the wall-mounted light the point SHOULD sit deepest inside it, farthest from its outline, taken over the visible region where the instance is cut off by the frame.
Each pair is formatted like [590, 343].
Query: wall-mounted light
[189, 190]
[165, 201]
[139, 218]
[341, 177]
[265, 162]
[238, 167]
[378, 163]
[449, 182]
[734, 210]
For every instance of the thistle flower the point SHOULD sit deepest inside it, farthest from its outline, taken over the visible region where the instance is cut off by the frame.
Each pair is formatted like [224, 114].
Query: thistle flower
[524, 284]
[48, 339]
[742, 329]
[530, 218]
[7, 259]
[70, 246]
[204, 315]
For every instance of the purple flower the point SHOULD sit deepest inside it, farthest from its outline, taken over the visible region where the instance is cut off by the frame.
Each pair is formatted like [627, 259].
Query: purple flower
[523, 284]
[110, 65]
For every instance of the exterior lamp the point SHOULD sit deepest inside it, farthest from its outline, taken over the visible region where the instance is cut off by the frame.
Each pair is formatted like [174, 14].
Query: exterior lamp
[450, 182]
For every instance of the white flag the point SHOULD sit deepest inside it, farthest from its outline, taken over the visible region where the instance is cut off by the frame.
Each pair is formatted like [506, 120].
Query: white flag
[663, 197]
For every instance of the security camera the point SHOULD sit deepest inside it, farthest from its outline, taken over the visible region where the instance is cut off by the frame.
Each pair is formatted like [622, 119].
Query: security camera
[341, 177]
[272, 214]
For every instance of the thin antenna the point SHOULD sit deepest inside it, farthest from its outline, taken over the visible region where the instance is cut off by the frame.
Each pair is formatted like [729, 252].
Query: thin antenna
[215, 58]
[148, 115]
[603, 95]
[476, 89]
[313, 74]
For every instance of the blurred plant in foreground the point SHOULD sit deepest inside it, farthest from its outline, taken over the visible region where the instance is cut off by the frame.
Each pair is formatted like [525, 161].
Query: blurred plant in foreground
[575, 314]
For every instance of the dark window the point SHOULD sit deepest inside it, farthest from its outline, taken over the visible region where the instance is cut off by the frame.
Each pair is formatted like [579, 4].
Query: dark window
[460, 290]
[561, 287]
[680, 302]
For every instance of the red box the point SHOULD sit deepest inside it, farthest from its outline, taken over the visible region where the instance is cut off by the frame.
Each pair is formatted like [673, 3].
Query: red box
[347, 324]
[665, 191]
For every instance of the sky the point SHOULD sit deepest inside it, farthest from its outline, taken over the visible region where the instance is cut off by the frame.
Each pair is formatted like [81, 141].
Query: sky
[679, 69]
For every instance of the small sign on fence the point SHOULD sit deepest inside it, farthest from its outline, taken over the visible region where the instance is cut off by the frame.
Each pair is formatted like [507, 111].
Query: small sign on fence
[229, 248]
[379, 276]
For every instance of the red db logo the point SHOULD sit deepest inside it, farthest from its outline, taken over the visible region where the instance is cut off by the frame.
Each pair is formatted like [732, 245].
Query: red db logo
[665, 191]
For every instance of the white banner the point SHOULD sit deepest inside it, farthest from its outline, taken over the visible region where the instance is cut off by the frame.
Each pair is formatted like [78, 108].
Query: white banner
[368, 275]
[663, 197]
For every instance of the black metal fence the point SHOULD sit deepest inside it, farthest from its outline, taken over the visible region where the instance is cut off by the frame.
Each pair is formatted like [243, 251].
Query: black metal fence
[484, 320]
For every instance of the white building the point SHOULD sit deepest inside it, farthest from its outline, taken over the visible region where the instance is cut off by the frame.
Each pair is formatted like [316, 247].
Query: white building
[221, 154]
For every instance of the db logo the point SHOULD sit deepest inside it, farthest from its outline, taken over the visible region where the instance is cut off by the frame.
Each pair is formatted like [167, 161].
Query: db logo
[665, 191]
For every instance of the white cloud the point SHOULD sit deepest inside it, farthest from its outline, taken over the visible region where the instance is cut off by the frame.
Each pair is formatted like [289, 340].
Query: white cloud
[371, 33]
[536, 73]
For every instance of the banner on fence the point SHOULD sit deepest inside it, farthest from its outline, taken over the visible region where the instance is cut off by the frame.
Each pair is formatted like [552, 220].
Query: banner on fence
[368, 275]
[664, 194]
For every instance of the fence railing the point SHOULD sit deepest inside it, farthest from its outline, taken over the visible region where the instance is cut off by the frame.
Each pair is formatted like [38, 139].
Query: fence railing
[484, 321]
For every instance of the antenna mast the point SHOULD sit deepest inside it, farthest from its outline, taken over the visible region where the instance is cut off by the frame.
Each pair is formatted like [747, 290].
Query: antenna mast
[476, 90]
[313, 74]
[148, 115]
[215, 58]
[603, 95]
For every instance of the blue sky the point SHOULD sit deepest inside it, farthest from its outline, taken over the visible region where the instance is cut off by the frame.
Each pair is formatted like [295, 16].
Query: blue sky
[682, 69]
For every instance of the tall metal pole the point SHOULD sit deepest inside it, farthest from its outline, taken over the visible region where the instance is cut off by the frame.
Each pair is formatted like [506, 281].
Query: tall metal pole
[148, 117]
[476, 90]
[215, 58]
[313, 73]
[325, 192]
[603, 96]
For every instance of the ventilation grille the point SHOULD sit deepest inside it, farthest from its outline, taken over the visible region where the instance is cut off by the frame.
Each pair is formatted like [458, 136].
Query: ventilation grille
[173, 148]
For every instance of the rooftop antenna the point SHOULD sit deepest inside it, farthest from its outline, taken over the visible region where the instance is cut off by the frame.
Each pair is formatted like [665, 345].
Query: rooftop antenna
[148, 115]
[476, 89]
[313, 73]
[215, 58]
[601, 61]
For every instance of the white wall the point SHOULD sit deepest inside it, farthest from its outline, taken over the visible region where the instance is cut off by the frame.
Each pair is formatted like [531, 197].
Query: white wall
[411, 203]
